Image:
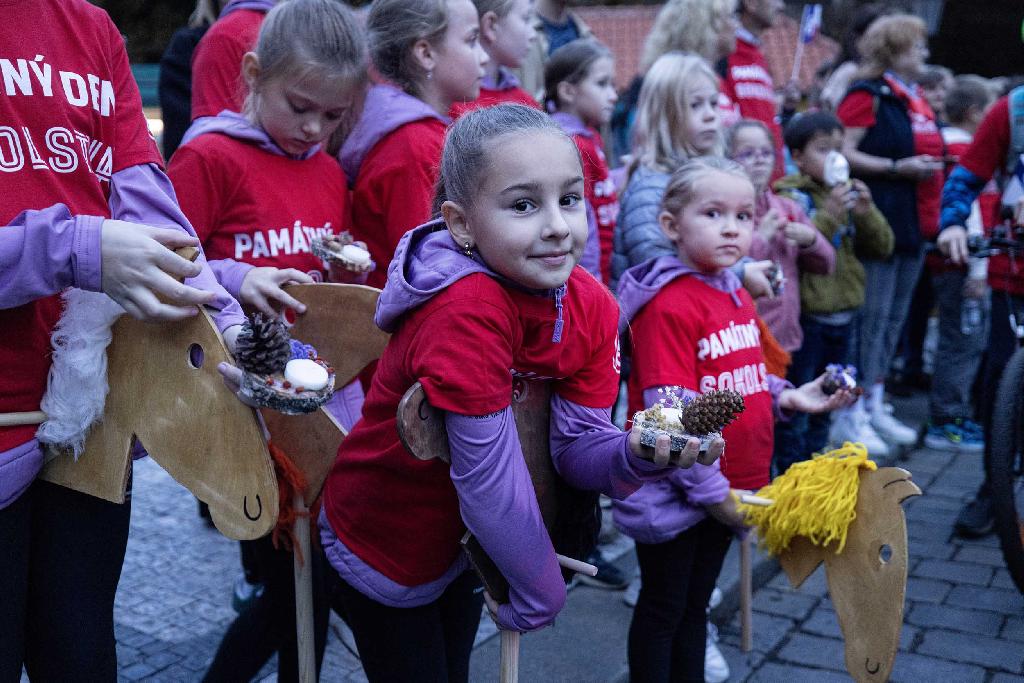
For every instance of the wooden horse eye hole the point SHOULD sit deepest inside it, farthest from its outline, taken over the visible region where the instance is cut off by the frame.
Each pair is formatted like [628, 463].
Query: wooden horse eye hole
[196, 355]
[885, 554]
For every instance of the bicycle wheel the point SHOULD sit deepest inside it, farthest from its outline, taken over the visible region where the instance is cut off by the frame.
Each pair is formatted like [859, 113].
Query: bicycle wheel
[1005, 474]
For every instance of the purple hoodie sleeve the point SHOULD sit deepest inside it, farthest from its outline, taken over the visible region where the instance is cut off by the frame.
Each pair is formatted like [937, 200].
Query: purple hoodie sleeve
[776, 385]
[230, 274]
[43, 251]
[144, 194]
[499, 506]
[591, 257]
[591, 453]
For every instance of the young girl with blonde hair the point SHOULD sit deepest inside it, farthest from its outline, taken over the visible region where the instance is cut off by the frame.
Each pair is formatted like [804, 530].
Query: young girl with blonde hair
[506, 34]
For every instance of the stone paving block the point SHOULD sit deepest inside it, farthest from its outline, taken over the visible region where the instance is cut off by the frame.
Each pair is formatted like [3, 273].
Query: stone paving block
[1013, 629]
[824, 653]
[136, 671]
[823, 622]
[927, 590]
[1001, 579]
[814, 585]
[769, 631]
[154, 646]
[955, 619]
[928, 532]
[980, 555]
[162, 659]
[957, 572]
[930, 550]
[789, 604]
[779, 673]
[1005, 678]
[741, 664]
[912, 668]
[995, 600]
[988, 652]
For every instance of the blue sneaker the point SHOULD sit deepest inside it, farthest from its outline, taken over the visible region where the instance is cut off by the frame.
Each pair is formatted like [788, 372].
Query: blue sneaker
[960, 436]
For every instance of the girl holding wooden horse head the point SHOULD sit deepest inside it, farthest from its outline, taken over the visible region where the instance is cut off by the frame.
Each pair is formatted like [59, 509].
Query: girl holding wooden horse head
[83, 189]
[485, 294]
[259, 188]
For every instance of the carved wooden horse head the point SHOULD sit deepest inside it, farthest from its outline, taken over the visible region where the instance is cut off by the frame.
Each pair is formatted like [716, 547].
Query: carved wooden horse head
[166, 392]
[867, 580]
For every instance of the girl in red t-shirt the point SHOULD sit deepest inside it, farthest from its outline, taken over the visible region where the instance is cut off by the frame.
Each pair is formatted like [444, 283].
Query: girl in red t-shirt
[694, 329]
[506, 33]
[580, 94]
[429, 55]
[258, 188]
[483, 300]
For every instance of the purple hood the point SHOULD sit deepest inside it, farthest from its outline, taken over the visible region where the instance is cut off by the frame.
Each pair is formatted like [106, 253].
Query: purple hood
[426, 262]
[642, 282]
[386, 109]
[572, 125]
[506, 80]
[239, 127]
[258, 5]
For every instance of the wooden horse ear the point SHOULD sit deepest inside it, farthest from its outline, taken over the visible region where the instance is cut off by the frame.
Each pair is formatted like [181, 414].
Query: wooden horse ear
[800, 560]
[166, 392]
[338, 322]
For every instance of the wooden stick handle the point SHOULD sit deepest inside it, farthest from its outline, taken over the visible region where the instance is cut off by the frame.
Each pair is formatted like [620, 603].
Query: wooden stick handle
[34, 417]
[746, 596]
[577, 566]
[509, 657]
[304, 595]
[751, 499]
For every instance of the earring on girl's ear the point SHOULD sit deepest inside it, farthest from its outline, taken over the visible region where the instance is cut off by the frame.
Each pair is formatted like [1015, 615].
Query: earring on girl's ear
[430, 74]
[467, 249]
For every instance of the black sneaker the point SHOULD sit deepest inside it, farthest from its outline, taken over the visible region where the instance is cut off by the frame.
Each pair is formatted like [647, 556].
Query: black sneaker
[975, 519]
[608, 576]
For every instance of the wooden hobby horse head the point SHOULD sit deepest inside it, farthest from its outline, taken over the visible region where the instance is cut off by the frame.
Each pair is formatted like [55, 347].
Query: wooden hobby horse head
[165, 391]
[868, 579]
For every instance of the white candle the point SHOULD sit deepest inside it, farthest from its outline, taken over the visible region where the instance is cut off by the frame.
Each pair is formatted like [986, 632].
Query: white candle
[302, 372]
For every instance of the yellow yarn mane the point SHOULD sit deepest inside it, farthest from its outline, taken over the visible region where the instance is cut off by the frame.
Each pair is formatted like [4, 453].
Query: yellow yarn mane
[814, 498]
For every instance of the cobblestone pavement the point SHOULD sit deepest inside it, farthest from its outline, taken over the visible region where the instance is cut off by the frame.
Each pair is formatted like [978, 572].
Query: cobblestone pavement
[964, 621]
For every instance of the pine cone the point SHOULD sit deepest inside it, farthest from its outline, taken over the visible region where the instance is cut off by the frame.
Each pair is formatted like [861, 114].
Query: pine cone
[263, 345]
[711, 412]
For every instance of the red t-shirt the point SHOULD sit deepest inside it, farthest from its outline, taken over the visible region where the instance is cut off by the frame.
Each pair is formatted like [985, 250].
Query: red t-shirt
[401, 515]
[217, 63]
[857, 110]
[748, 84]
[68, 122]
[395, 188]
[258, 207]
[600, 191]
[489, 98]
[693, 336]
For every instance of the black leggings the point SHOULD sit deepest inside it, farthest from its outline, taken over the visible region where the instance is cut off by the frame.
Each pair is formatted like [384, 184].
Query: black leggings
[666, 637]
[60, 560]
[429, 644]
[268, 624]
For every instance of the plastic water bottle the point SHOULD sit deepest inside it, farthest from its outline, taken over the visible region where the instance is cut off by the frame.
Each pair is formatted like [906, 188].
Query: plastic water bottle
[970, 315]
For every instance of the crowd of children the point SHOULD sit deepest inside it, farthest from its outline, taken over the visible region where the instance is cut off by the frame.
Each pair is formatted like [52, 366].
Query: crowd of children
[461, 143]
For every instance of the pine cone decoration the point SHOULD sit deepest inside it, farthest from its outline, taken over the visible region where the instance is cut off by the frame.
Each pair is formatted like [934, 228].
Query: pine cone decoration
[710, 412]
[263, 346]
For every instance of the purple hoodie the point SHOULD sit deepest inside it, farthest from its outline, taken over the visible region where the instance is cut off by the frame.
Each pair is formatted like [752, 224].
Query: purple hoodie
[386, 109]
[49, 249]
[661, 510]
[257, 5]
[591, 258]
[496, 497]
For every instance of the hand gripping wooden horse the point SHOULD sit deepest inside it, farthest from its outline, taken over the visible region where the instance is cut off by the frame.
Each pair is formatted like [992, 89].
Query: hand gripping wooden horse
[847, 515]
[421, 429]
[166, 392]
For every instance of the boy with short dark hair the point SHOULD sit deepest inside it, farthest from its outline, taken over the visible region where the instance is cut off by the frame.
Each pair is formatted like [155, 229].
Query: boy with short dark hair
[846, 216]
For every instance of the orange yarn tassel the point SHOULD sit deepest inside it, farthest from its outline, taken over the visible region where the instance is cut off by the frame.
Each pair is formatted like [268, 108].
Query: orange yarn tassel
[775, 357]
[290, 481]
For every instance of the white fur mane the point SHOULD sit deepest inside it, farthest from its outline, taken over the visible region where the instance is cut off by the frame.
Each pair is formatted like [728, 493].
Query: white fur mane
[76, 389]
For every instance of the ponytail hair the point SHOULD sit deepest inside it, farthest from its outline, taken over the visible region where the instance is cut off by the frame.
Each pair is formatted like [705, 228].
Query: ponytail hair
[682, 185]
[570, 63]
[464, 159]
[303, 37]
[394, 26]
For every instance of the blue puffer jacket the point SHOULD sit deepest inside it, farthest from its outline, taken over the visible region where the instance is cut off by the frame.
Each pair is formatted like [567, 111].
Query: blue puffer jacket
[638, 236]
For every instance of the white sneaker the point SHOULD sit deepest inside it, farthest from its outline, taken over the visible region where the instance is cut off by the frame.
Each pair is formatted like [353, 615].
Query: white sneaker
[632, 592]
[853, 425]
[891, 429]
[716, 669]
[716, 598]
